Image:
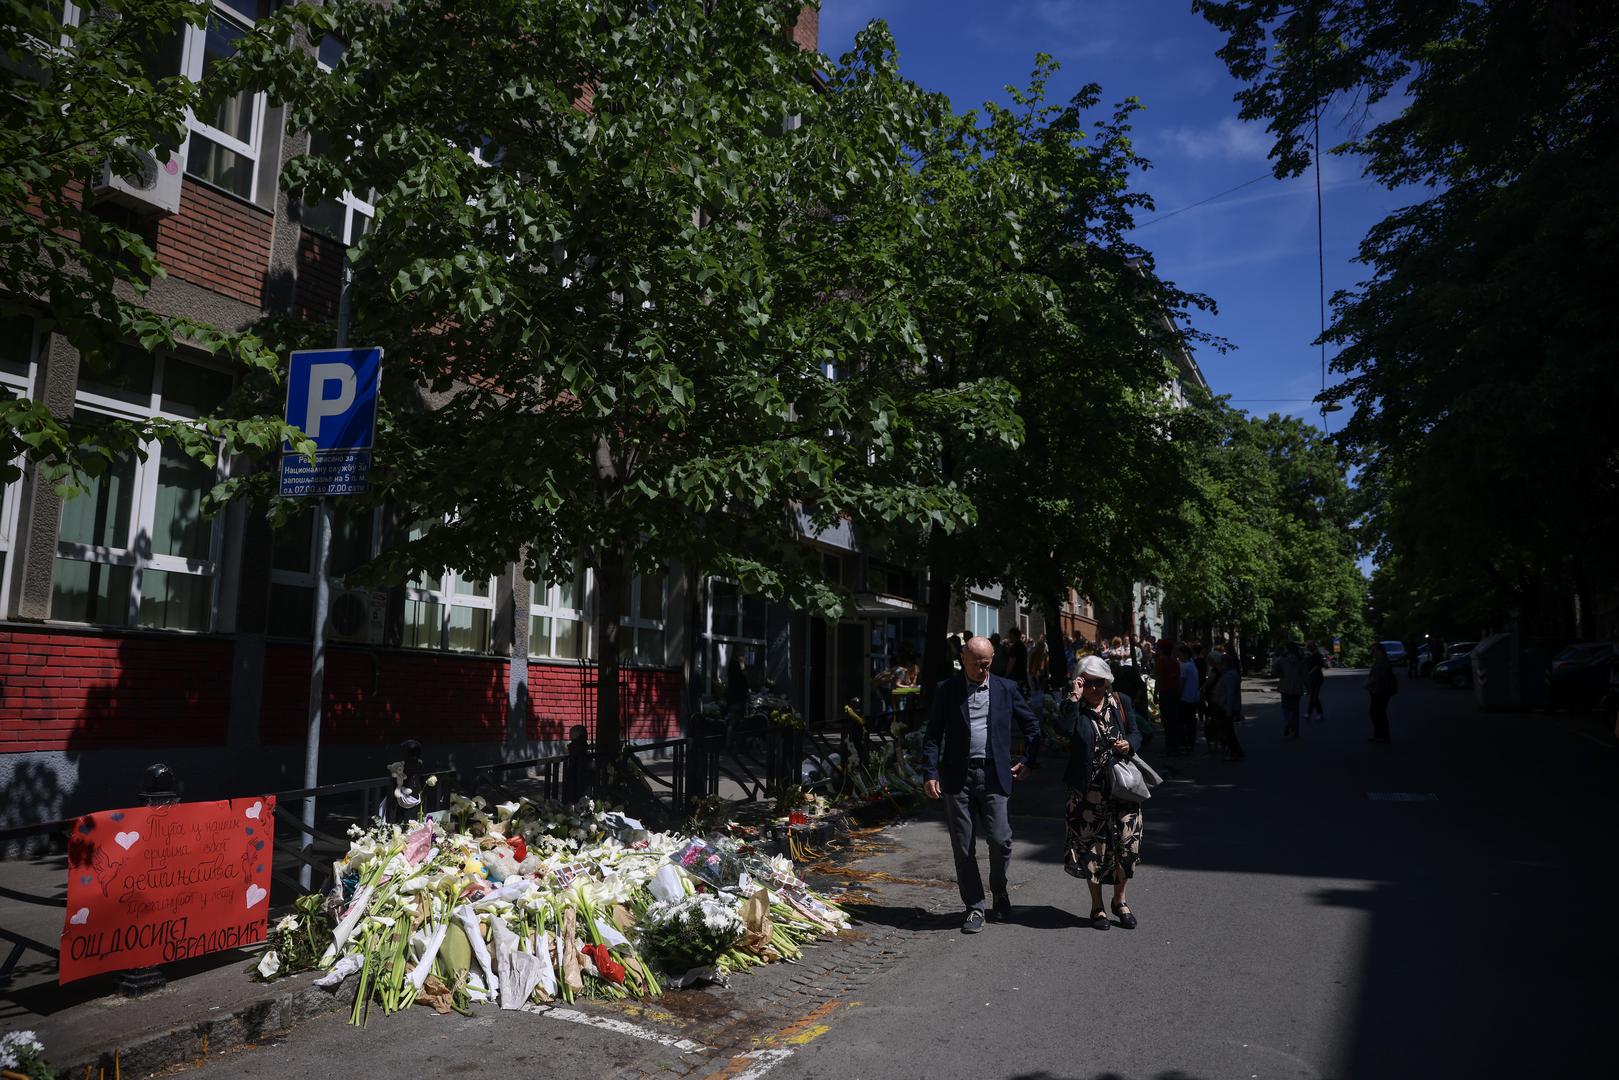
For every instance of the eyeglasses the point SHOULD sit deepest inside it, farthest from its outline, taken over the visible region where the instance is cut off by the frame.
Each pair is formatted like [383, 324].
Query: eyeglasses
[1093, 684]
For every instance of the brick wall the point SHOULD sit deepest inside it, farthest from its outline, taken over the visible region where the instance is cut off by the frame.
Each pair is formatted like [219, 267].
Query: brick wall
[383, 696]
[807, 30]
[320, 275]
[67, 691]
[218, 242]
[557, 701]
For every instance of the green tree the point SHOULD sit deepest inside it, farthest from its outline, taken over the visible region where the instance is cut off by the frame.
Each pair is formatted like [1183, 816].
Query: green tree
[1023, 275]
[76, 100]
[1274, 549]
[1479, 351]
[608, 331]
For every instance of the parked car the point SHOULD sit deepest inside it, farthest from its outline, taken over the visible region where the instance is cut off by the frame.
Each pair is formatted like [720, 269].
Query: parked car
[1456, 669]
[1396, 653]
[1610, 703]
[1577, 677]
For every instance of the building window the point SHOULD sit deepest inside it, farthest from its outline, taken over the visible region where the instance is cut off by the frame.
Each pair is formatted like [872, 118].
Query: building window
[735, 626]
[18, 341]
[982, 619]
[448, 611]
[226, 142]
[559, 615]
[292, 566]
[642, 641]
[347, 217]
[135, 549]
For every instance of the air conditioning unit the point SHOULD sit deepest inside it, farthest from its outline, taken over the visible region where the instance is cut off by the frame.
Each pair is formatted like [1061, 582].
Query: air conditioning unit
[356, 615]
[156, 188]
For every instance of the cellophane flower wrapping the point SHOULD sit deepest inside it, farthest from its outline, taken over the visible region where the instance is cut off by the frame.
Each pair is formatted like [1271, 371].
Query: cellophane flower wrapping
[693, 931]
[571, 889]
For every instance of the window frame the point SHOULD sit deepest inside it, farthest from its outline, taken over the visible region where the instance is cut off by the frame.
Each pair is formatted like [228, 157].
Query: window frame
[635, 622]
[353, 206]
[421, 590]
[143, 507]
[193, 55]
[11, 498]
[553, 610]
[305, 579]
[992, 619]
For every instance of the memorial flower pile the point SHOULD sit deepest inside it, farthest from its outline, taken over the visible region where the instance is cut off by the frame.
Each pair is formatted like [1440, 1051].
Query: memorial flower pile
[520, 902]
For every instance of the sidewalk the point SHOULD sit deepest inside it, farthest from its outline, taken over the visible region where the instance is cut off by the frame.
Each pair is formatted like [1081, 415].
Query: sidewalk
[901, 880]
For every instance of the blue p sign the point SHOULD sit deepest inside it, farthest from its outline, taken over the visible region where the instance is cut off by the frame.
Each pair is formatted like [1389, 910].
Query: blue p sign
[332, 397]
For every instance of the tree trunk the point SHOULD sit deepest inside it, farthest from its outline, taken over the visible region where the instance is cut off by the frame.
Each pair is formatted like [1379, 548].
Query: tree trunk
[936, 658]
[609, 610]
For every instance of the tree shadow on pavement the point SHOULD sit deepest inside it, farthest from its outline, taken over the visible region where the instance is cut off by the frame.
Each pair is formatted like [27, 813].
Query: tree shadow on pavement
[903, 916]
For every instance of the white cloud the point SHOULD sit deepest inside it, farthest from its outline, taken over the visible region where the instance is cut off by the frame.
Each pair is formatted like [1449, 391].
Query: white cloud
[1229, 140]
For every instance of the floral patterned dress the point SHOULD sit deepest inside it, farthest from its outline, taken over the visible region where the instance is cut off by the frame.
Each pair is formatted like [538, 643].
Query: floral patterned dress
[1103, 835]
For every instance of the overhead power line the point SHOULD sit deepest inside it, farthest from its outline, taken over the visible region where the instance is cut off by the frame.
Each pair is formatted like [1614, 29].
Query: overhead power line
[1204, 202]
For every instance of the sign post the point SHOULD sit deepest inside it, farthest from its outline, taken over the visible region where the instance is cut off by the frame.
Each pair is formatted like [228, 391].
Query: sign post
[332, 398]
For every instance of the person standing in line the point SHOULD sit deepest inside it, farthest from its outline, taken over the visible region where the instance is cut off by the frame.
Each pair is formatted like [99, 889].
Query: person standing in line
[1315, 676]
[1290, 684]
[1205, 683]
[1226, 703]
[1039, 661]
[1167, 673]
[1103, 841]
[1059, 665]
[1187, 709]
[967, 761]
[1017, 660]
[1382, 684]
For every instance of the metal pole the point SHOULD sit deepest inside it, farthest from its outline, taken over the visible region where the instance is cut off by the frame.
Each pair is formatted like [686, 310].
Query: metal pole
[317, 667]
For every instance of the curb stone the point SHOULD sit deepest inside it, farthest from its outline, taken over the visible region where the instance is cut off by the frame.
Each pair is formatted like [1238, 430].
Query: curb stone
[190, 1044]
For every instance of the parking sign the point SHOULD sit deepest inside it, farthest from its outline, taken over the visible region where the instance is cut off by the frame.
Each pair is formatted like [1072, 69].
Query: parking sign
[332, 398]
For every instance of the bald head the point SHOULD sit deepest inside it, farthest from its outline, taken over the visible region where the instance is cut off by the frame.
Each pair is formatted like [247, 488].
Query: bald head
[976, 656]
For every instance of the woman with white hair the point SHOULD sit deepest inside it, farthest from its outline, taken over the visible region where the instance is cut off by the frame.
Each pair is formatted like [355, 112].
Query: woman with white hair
[1104, 834]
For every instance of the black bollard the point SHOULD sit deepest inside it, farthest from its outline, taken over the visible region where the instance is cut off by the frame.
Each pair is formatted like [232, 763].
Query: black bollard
[160, 788]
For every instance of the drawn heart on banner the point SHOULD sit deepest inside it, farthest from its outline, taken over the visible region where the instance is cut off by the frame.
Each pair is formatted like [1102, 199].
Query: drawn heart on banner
[253, 811]
[117, 815]
[254, 895]
[86, 879]
[127, 840]
[80, 917]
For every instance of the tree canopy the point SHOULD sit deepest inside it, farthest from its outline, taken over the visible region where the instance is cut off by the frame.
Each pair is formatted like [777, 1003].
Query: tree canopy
[617, 247]
[1479, 352]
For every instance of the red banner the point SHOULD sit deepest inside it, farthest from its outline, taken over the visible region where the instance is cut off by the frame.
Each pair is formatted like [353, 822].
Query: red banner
[161, 883]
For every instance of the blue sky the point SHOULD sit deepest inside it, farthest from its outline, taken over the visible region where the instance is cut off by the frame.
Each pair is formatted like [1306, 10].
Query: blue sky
[1253, 252]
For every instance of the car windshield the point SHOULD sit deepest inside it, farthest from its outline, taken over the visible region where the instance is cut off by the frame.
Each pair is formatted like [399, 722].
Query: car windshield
[1462, 648]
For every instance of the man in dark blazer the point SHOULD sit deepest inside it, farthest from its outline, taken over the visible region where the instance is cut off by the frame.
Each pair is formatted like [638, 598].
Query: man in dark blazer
[971, 726]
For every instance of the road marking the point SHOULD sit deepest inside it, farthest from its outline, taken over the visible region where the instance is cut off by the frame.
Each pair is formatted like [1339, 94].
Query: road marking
[1402, 796]
[757, 1062]
[801, 1032]
[613, 1024]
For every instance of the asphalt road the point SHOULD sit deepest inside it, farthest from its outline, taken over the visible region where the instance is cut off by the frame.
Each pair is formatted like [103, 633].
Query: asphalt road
[1327, 908]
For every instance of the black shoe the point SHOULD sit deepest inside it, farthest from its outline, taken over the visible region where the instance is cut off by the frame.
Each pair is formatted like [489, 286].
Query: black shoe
[1001, 910]
[974, 921]
[1127, 918]
[1099, 920]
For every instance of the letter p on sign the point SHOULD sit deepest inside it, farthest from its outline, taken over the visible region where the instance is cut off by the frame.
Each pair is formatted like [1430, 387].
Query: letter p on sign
[332, 397]
[320, 403]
